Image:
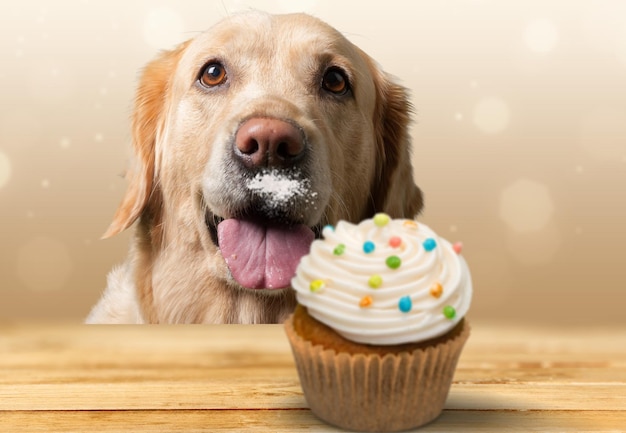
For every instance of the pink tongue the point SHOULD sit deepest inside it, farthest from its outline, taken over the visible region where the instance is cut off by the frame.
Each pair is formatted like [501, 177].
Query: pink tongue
[261, 257]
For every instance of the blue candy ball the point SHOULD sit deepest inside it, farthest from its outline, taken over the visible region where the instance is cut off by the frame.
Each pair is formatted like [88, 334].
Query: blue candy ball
[368, 247]
[429, 244]
[405, 304]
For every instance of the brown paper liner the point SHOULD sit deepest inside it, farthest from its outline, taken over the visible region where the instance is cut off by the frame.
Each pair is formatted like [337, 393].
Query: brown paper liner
[369, 393]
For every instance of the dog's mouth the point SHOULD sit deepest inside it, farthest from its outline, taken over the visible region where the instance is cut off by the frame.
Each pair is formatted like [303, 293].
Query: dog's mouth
[264, 224]
[261, 254]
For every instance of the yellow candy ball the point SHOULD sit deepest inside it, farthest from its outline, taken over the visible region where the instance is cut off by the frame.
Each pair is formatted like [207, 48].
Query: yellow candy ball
[317, 285]
[381, 219]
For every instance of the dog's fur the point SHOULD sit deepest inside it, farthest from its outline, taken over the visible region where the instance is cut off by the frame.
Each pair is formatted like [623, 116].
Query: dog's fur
[183, 180]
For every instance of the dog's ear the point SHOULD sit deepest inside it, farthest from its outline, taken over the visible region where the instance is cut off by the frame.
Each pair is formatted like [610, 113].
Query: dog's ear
[394, 191]
[147, 121]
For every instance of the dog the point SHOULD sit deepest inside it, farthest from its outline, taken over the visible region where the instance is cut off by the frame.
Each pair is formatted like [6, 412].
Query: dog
[248, 140]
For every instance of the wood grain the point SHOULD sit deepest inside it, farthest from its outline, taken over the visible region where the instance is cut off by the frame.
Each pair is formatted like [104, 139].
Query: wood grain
[242, 378]
[302, 420]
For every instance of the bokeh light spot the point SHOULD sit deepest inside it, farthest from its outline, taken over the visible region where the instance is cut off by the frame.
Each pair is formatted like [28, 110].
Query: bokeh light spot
[5, 169]
[602, 24]
[44, 264]
[20, 129]
[603, 134]
[491, 115]
[535, 248]
[163, 27]
[620, 47]
[526, 206]
[541, 35]
[51, 83]
[287, 6]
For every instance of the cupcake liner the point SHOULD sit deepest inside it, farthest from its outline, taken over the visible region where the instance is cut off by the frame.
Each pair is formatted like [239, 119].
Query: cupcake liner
[369, 393]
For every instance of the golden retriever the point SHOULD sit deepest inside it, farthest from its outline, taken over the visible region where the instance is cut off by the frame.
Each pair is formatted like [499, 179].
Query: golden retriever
[249, 138]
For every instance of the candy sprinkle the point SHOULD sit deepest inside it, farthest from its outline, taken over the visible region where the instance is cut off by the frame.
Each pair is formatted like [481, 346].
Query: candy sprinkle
[457, 247]
[429, 244]
[393, 262]
[436, 290]
[375, 281]
[365, 302]
[395, 242]
[381, 219]
[317, 285]
[327, 228]
[339, 249]
[368, 247]
[449, 312]
[410, 224]
[405, 304]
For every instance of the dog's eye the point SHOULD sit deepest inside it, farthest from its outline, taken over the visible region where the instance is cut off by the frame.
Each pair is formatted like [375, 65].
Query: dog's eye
[335, 81]
[213, 75]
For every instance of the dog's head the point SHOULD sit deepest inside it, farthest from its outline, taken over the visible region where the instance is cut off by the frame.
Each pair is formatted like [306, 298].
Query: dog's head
[252, 136]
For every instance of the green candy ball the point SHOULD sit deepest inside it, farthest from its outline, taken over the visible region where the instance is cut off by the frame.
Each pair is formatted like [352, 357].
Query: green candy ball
[393, 262]
[449, 312]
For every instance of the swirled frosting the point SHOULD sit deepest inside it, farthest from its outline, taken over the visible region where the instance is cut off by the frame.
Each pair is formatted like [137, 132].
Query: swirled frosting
[384, 281]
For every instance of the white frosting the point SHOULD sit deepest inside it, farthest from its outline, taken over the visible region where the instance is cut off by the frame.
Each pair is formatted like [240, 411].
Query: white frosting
[346, 277]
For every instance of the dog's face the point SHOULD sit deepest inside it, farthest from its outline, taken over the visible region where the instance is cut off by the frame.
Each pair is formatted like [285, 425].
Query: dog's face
[254, 135]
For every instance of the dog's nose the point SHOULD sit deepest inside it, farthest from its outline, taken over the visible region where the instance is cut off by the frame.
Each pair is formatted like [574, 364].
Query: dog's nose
[267, 142]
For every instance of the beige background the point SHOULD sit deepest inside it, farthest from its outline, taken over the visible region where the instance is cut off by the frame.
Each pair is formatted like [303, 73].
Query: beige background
[520, 140]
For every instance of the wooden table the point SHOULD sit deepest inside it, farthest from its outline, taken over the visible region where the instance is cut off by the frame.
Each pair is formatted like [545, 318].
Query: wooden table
[242, 378]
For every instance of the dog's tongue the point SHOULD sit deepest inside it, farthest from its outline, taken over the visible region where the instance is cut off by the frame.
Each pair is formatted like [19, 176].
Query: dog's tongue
[260, 256]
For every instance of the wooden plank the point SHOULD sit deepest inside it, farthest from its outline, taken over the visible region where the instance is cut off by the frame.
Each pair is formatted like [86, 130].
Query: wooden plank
[505, 373]
[251, 367]
[539, 396]
[295, 421]
[260, 394]
[230, 345]
[496, 339]
[91, 348]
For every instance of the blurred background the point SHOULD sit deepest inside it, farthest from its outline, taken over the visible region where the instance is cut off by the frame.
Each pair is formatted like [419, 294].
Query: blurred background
[519, 140]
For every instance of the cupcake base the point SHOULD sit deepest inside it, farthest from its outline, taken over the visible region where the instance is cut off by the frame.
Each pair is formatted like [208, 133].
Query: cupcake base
[373, 388]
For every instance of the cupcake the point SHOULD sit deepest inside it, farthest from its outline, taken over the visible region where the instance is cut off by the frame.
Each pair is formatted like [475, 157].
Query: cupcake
[380, 323]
